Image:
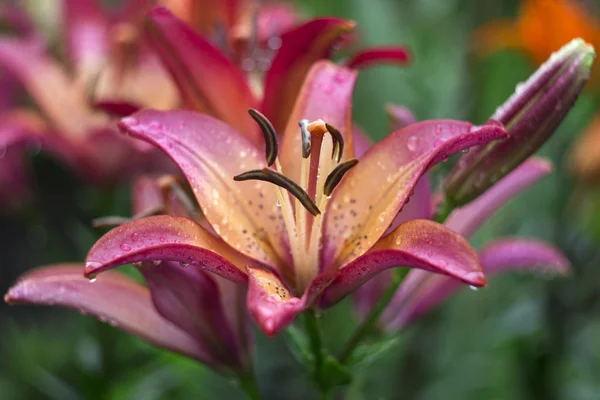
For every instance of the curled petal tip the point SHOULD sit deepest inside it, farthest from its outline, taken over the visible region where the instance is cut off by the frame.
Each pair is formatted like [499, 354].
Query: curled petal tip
[476, 279]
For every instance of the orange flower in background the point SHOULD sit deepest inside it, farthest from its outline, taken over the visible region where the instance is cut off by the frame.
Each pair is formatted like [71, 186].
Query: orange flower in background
[541, 27]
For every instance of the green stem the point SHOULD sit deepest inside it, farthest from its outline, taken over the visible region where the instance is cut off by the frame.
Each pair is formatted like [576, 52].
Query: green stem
[443, 211]
[249, 385]
[316, 345]
[369, 323]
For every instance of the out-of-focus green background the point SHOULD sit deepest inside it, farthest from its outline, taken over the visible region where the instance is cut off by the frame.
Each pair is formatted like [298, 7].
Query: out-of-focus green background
[523, 337]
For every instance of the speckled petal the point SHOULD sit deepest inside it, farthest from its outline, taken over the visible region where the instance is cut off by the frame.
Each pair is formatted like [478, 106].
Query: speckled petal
[370, 196]
[419, 244]
[421, 291]
[113, 298]
[165, 238]
[270, 302]
[466, 220]
[210, 154]
[300, 49]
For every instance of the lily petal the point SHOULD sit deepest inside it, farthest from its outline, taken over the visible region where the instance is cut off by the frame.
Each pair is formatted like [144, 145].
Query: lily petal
[86, 25]
[62, 101]
[422, 291]
[195, 65]
[210, 154]
[190, 299]
[15, 15]
[400, 117]
[300, 49]
[165, 238]
[361, 141]
[372, 193]
[379, 55]
[270, 302]
[466, 220]
[419, 244]
[419, 207]
[146, 195]
[113, 297]
[326, 94]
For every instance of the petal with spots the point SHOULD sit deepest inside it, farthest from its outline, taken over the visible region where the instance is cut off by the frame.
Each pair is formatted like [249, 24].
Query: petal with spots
[270, 302]
[210, 154]
[370, 196]
[419, 244]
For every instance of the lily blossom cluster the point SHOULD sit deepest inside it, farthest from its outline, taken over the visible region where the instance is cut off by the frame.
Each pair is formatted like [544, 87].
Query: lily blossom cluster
[295, 213]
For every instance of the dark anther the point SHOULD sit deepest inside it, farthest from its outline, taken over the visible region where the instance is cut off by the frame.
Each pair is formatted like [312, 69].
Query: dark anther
[337, 174]
[269, 134]
[278, 179]
[338, 142]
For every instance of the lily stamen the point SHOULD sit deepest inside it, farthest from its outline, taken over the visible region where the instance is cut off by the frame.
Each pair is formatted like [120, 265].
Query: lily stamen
[269, 133]
[337, 174]
[320, 172]
[274, 177]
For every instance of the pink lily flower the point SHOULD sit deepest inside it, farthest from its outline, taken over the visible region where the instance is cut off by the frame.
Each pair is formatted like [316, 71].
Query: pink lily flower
[305, 225]
[184, 310]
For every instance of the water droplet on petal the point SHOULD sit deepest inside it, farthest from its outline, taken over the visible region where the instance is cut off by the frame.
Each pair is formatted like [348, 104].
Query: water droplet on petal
[475, 288]
[412, 143]
[125, 247]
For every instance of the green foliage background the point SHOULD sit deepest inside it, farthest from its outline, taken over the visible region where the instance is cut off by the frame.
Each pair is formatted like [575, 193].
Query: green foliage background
[523, 337]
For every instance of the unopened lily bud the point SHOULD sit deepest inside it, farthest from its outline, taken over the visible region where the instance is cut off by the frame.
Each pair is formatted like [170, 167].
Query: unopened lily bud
[530, 116]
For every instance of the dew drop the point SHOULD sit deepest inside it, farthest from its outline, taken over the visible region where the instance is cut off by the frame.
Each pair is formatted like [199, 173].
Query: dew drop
[125, 247]
[412, 143]
[156, 262]
[475, 288]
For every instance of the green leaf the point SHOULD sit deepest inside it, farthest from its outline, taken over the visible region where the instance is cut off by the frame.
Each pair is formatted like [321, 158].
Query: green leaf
[367, 353]
[299, 345]
[334, 373]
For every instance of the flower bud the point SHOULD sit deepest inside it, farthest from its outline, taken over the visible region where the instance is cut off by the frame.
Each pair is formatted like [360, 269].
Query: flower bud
[530, 116]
